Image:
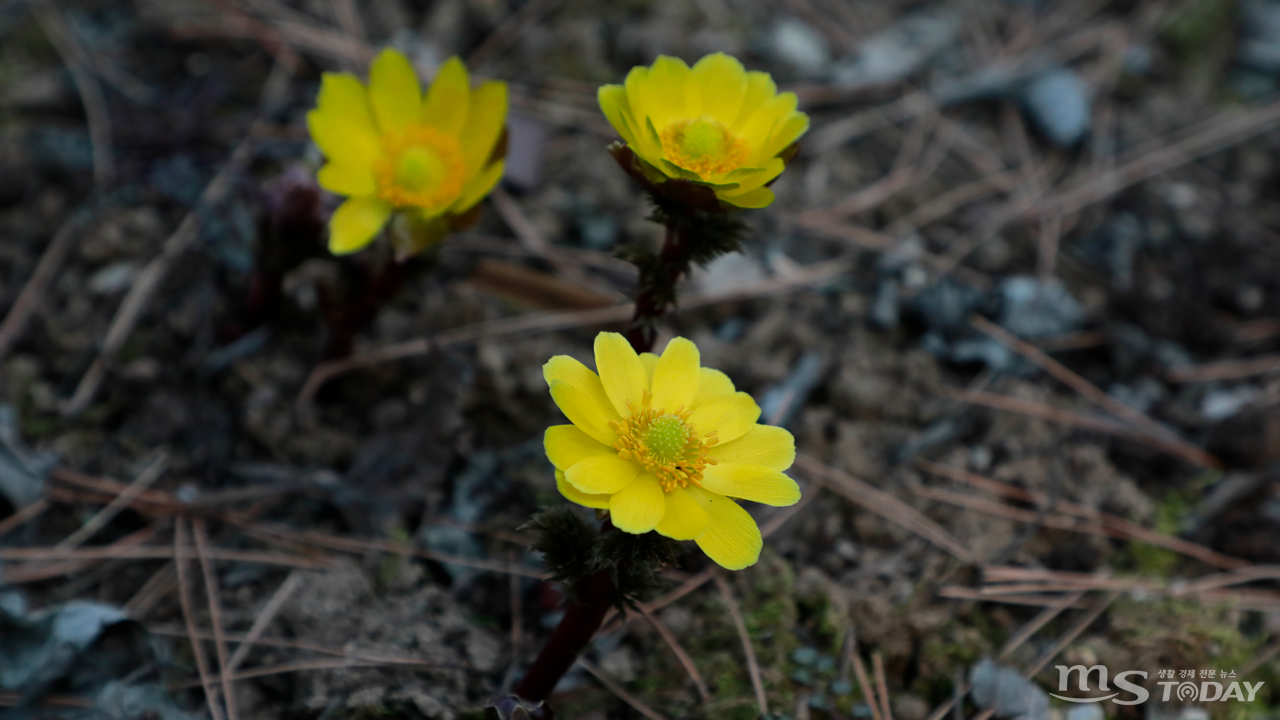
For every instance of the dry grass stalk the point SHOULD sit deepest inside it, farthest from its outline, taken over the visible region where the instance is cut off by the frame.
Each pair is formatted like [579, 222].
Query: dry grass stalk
[860, 674]
[140, 293]
[145, 479]
[1091, 391]
[181, 559]
[885, 505]
[201, 534]
[815, 274]
[753, 667]
[263, 619]
[1039, 410]
[882, 685]
[274, 534]
[1110, 525]
[685, 661]
[618, 690]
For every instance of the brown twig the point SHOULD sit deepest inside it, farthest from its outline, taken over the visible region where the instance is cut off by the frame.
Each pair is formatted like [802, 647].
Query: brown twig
[215, 614]
[509, 31]
[885, 505]
[965, 593]
[1112, 525]
[678, 650]
[1044, 618]
[32, 293]
[882, 685]
[95, 103]
[1225, 370]
[533, 240]
[24, 516]
[283, 668]
[249, 640]
[1219, 132]
[263, 33]
[181, 559]
[1074, 419]
[1265, 654]
[274, 534]
[1087, 389]
[264, 618]
[618, 690]
[154, 470]
[1071, 634]
[139, 296]
[814, 274]
[864, 681]
[753, 667]
[111, 552]
[57, 567]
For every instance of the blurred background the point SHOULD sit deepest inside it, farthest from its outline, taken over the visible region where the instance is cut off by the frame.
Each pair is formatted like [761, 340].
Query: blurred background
[1018, 301]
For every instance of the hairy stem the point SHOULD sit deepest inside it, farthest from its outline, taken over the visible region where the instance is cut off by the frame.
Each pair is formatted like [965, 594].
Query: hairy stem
[581, 621]
[657, 288]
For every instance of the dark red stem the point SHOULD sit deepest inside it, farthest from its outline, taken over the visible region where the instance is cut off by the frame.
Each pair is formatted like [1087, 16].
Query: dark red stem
[596, 594]
[657, 289]
[581, 621]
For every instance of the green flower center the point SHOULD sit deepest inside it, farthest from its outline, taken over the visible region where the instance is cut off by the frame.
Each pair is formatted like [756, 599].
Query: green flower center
[419, 169]
[664, 443]
[704, 146]
[666, 438]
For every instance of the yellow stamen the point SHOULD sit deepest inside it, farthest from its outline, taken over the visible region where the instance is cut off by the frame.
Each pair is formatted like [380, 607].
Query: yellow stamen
[421, 167]
[704, 146]
[664, 443]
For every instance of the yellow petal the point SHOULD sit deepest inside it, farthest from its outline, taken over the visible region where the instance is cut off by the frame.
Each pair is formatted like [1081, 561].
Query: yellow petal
[730, 416]
[580, 396]
[445, 106]
[751, 482]
[784, 133]
[760, 89]
[639, 507]
[486, 116]
[342, 123]
[600, 502]
[712, 384]
[650, 361]
[675, 378]
[355, 223]
[478, 187]
[661, 93]
[732, 538]
[764, 445]
[394, 91]
[614, 105]
[347, 179]
[621, 371]
[636, 88]
[684, 518]
[754, 177]
[758, 198]
[602, 474]
[673, 81]
[722, 84]
[566, 445]
[773, 113]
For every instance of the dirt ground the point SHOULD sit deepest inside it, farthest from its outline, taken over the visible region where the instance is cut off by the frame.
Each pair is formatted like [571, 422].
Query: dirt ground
[1084, 477]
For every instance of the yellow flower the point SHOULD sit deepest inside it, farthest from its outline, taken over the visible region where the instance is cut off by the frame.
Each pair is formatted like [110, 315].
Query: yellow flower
[663, 444]
[391, 150]
[715, 125]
